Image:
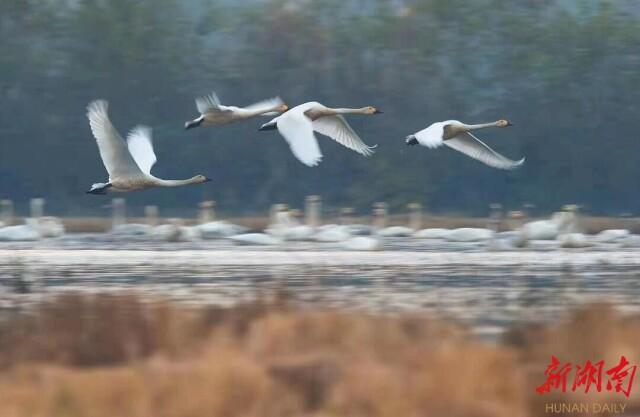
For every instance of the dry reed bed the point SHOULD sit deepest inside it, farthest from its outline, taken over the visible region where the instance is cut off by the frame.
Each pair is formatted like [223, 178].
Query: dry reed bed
[119, 355]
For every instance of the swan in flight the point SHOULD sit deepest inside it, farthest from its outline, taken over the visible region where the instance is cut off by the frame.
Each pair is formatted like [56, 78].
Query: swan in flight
[298, 125]
[128, 169]
[212, 113]
[457, 135]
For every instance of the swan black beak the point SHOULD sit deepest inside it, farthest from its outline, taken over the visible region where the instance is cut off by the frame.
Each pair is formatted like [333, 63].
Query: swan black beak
[208, 180]
[509, 123]
[378, 112]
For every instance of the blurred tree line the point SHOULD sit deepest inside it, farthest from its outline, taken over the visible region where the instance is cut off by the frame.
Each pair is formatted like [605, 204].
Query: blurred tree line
[565, 73]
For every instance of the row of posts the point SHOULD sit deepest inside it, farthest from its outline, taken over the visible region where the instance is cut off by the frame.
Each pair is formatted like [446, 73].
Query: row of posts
[7, 214]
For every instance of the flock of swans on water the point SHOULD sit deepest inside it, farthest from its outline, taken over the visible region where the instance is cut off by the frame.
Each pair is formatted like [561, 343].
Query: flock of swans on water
[562, 230]
[129, 167]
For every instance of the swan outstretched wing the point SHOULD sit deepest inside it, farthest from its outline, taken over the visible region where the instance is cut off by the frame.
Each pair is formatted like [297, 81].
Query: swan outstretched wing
[115, 156]
[337, 128]
[265, 105]
[141, 148]
[297, 130]
[207, 104]
[471, 146]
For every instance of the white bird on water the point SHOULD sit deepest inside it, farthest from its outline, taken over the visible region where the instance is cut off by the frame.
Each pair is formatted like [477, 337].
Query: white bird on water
[298, 125]
[128, 169]
[213, 113]
[457, 135]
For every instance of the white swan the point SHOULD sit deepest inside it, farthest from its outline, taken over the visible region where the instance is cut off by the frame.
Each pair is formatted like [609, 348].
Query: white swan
[262, 239]
[212, 113]
[131, 229]
[332, 233]
[574, 241]
[19, 233]
[631, 241]
[432, 233]
[395, 231]
[361, 243]
[561, 222]
[612, 235]
[34, 229]
[220, 229]
[286, 227]
[457, 135]
[47, 226]
[128, 169]
[298, 125]
[469, 234]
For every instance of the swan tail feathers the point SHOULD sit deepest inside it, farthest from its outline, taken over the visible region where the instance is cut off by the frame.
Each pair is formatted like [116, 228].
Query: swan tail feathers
[411, 140]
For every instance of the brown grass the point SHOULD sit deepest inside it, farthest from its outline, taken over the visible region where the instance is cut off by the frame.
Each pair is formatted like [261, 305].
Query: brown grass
[107, 355]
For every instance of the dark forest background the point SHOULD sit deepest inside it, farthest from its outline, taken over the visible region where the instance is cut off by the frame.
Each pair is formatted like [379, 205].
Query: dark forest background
[566, 73]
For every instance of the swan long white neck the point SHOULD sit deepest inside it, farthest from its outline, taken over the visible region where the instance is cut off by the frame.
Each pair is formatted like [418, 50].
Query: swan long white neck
[177, 183]
[362, 110]
[478, 126]
[259, 112]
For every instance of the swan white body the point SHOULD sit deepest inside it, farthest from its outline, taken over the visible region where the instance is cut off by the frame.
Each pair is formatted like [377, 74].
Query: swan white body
[469, 234]
[458, 136]
[131, 229]
[129, 167]
[432, 233]
[395, 231]
[298, 125]
[34, 229]
[612, 235]
[360, 229]
[174, 232]
[213, 113]
[361, 243]
[220, 229]
[287, 227]
[560, 222]
[19, 233]
[574, 241]
[332, 233]
[47, 226]
[262, 239]
[631, 241]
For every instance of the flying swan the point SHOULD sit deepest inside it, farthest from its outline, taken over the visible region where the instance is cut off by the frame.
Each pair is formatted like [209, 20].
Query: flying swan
[128, 169]
[457, 135]
[298, 125]
[212, 113]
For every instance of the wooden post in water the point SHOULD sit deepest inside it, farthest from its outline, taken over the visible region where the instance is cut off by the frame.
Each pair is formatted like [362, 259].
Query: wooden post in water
[207, 212]
[6, 212]
[415, 216]
[119, 215]
[37, 207]
[495, 216]
[527, 210]
[346, 215]
[274, 214]
[151, 215]
[380, 215]
[312, 210]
